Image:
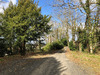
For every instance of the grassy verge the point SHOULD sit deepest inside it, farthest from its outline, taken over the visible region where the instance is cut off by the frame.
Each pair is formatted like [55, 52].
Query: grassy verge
[10, 58]
[86, 60]
[14, 57]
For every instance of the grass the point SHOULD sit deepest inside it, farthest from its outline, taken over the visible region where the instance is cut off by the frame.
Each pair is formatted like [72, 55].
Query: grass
[13, 57]
[86, 59]
[1, 60]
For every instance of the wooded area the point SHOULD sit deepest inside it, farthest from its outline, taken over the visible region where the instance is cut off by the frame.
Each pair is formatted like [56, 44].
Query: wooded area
[80, 20]
[22, 25]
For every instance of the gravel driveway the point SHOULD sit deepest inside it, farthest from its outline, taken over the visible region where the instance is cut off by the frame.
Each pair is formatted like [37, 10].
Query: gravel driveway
[55, 64]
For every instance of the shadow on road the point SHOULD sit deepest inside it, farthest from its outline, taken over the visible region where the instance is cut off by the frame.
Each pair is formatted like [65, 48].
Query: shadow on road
[32, 66]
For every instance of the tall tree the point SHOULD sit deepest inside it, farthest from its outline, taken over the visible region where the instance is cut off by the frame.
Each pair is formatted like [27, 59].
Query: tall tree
[26, 22]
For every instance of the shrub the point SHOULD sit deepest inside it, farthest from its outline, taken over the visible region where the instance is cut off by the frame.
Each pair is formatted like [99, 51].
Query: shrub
[47, 48]
[57, 45]
[64, 41]
[72, 46]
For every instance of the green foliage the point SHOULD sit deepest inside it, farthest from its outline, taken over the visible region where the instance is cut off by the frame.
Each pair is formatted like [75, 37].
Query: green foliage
[57, 45]
[82, 37]
[64, 41]
[72, 46]
[23, 22]
[47, 48]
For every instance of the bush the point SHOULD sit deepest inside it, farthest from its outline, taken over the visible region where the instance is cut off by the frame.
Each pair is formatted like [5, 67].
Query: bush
[64, 41]
[2, 48]
[57, 45]
[72, 46]
[47, 48]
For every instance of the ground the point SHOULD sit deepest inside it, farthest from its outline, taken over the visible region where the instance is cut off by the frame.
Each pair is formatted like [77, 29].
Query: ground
[85, 60]
[54, 64]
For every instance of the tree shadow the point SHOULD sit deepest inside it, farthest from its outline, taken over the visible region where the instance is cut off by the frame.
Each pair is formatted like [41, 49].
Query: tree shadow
[32, 66]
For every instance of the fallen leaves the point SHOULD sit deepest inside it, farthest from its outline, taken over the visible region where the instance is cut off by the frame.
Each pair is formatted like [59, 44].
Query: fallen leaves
[86, 60]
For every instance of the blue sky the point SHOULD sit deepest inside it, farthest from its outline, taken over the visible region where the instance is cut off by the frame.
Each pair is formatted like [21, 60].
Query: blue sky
[46, 8]
[44, 4]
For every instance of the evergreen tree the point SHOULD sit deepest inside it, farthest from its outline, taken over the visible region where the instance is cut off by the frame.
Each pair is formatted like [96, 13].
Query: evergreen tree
[24, 22]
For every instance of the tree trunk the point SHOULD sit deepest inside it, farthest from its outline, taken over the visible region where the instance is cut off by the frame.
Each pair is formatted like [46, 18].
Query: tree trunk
[91, 48]
[90, 43]
[73, 35]
[80, 47]
[57, 34]
[67, 37]
[61, 34]
[39, 44]
[49, 39]
[23, 49]
[86, 7]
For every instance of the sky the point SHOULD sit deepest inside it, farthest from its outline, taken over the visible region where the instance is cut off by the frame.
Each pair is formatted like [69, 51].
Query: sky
[46, 8]
[44, 4]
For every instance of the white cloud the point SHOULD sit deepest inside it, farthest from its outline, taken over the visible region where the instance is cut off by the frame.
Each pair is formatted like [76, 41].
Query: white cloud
[5, 5]
[84, 1]
[1, 10]
[13, 1]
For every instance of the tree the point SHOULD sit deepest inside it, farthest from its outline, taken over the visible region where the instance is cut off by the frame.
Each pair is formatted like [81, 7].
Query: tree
[89, 25]
[25, 22]
[6, 30]
[68, 9]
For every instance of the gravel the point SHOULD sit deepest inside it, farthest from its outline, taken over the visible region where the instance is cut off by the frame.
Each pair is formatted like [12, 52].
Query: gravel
[55, 64]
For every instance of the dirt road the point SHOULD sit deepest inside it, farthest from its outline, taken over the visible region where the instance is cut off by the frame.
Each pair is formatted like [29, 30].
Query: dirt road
[55, 64]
